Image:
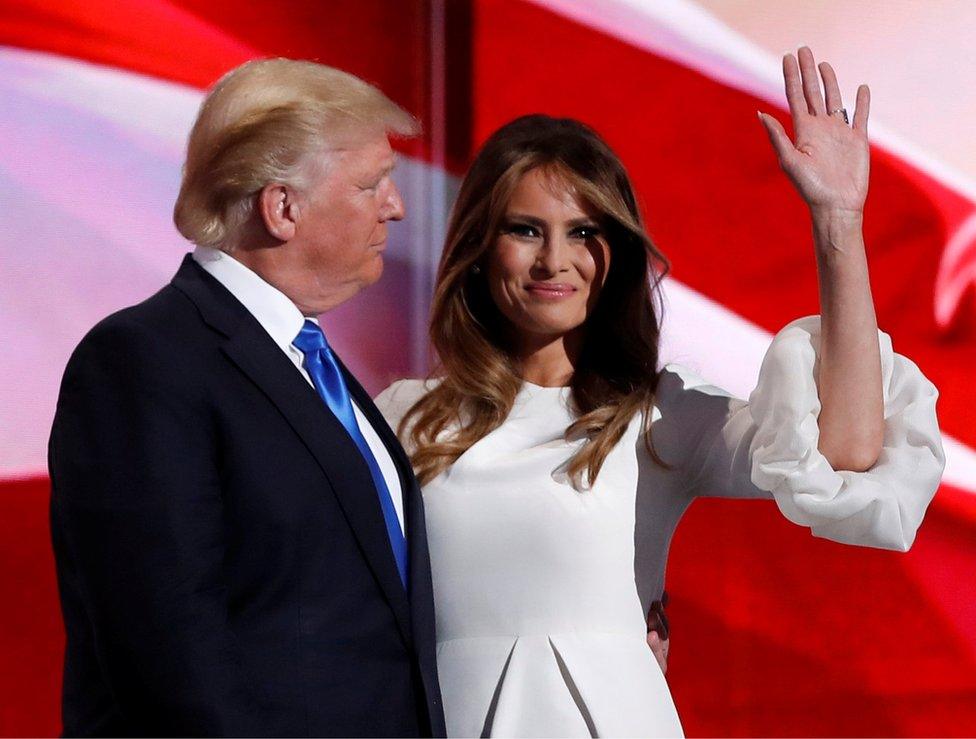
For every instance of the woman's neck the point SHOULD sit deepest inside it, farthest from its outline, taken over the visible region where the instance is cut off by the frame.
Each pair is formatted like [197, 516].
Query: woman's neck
[549, 361]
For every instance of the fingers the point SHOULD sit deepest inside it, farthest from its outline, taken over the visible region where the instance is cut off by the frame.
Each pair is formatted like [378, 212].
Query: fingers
[831, 88]
[804, 95]
[658, 638]
[657, 619]
[777, 137]
[794, 88]
[659, 649]
[862, 109]
[811, 82]
[657, 644]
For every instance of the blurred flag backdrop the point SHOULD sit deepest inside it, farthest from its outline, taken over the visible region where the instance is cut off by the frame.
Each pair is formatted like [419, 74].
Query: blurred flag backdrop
[774, 632]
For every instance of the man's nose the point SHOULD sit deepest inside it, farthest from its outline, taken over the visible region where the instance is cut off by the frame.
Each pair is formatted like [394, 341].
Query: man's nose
[394, 208]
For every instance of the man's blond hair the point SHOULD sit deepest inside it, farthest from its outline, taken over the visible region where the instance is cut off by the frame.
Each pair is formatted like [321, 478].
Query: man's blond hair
[257, 125]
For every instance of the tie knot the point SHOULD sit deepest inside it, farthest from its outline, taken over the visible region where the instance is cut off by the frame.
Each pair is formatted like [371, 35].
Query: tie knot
[311, 338]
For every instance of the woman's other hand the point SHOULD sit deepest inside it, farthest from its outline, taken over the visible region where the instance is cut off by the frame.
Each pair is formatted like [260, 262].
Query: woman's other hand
[659, 632]
[828, 162]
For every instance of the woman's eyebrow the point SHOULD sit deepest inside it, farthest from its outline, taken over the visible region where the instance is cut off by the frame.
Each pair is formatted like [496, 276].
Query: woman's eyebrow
[531, 220]
[534, 221]
[584, 221]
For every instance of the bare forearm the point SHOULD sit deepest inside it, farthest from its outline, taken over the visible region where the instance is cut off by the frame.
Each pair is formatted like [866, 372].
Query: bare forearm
[851, 418]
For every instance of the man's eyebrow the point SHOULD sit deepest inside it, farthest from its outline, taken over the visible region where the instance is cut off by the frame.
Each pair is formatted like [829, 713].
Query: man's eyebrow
[387, 170]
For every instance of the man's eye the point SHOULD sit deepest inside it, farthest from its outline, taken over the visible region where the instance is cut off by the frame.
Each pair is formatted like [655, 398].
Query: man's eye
[372, 184]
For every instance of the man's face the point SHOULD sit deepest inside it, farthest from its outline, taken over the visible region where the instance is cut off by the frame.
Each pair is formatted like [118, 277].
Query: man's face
[342, 231]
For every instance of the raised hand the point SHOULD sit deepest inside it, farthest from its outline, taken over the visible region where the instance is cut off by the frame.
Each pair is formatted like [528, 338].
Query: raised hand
[828, 162]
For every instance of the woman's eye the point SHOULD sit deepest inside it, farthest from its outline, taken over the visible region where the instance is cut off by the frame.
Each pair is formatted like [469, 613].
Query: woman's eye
[522, 230]
[585, 232]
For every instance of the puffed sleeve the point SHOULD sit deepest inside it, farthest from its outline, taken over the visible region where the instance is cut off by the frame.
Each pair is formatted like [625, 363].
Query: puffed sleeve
[768, 444]
[394, 402]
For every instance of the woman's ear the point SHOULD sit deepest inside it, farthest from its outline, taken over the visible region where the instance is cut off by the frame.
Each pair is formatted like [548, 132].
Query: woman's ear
[279, 210]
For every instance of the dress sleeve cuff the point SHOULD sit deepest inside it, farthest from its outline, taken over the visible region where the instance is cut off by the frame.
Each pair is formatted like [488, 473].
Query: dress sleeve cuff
[880, 507]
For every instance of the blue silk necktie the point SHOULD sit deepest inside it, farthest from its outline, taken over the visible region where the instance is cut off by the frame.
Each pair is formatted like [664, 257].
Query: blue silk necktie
[321, 365]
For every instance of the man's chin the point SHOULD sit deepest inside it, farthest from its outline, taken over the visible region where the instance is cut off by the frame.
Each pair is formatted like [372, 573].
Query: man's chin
[375, 271]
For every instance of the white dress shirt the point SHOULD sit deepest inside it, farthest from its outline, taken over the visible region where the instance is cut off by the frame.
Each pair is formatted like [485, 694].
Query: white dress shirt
[282, 320]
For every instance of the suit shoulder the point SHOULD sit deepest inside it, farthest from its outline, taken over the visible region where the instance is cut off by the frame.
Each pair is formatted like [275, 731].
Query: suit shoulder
[139, 336]
[155, 314]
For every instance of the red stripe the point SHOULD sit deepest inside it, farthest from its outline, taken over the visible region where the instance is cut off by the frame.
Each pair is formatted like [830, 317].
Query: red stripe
[194, 42]
[777, 633]
[31, 633]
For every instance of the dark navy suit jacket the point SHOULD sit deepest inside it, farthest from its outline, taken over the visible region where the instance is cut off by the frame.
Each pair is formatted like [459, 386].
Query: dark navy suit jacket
[222, 559]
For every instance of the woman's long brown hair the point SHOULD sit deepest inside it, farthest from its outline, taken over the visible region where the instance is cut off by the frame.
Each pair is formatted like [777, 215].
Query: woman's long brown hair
[615, 375]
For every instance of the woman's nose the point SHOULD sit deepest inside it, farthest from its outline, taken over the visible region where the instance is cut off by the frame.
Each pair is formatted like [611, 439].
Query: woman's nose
[551, 255]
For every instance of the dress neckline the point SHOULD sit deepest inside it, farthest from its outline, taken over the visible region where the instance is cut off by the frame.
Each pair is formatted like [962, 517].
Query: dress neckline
[544, 387]
[532, 392]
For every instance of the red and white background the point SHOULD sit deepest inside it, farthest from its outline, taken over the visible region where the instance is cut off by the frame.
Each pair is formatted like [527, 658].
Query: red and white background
[774, 632]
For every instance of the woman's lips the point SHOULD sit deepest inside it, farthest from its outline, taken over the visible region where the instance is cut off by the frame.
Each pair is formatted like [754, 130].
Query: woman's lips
[550, 290]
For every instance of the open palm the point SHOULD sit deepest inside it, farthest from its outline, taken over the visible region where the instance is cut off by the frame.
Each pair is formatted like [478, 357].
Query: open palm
[829, 161]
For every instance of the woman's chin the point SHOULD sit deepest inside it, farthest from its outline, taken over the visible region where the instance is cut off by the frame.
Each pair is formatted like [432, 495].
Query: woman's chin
[548, 329]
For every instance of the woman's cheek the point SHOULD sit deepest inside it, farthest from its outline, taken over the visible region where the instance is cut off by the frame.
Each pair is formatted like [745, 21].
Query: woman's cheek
[514, 258]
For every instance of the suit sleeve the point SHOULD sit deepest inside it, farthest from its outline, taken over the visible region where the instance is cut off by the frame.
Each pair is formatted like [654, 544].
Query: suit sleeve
[138, 527]
[767, 446]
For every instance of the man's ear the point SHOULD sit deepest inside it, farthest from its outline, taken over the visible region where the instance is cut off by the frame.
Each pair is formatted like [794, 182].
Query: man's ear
[279, 210]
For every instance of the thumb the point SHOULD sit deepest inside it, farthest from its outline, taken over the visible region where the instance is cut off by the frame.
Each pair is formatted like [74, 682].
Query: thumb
[777, 136]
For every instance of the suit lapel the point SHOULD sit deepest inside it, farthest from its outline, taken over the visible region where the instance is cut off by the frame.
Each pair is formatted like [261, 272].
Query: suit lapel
[421, 587]
[405, 472]
[250, 348]
[413, 504]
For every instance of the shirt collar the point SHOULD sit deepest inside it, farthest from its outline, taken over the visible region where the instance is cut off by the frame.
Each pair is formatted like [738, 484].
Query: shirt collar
[272, 308]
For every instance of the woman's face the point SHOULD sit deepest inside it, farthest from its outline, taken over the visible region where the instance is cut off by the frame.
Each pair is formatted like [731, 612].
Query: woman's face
[550, 260]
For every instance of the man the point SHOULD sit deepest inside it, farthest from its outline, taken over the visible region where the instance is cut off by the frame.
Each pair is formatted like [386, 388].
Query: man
[239, 538]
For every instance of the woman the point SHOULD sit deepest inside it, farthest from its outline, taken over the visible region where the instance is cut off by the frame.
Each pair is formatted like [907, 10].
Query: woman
[557, 460]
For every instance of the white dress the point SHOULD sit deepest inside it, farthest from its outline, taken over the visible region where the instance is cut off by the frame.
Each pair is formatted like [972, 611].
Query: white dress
[541, 590]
